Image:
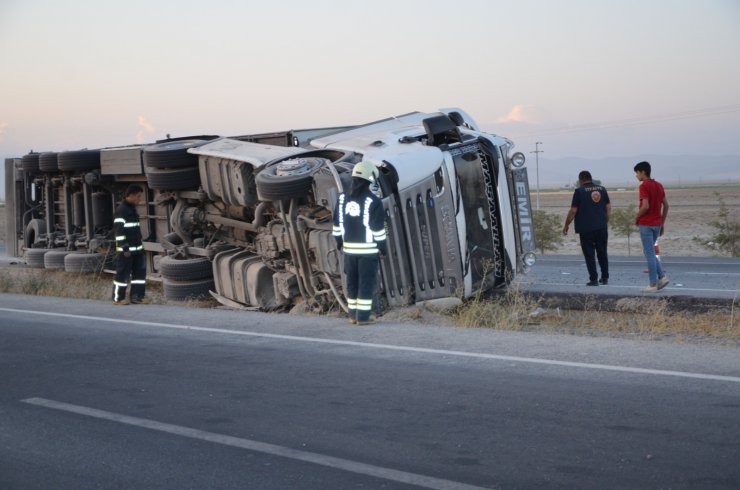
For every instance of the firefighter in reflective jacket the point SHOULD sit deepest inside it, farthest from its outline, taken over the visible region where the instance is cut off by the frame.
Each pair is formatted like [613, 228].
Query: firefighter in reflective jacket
[359, 229]
[130, 260]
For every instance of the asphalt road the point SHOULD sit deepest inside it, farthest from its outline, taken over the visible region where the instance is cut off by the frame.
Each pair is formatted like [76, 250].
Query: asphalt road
[690, 276]
[98, 396]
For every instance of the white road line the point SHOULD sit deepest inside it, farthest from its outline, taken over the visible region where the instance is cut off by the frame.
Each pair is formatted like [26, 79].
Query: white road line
[712, 273]
[370, 345]
[672, 288]
[260, 447]
[669, 262]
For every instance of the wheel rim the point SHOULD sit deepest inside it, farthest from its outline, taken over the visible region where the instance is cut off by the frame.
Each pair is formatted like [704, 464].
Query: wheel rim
[296, 166]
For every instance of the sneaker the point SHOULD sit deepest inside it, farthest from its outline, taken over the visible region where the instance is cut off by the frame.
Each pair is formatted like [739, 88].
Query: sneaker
[592, 283]
[663, 282]
[603, 281]
[141, 301]
[650, 289]
[120, 303]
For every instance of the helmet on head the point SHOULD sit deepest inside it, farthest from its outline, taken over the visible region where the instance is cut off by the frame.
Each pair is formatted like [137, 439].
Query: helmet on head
[365, 170]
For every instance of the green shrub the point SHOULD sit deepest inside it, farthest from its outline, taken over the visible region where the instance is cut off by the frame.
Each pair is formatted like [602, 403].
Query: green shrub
[548, 232]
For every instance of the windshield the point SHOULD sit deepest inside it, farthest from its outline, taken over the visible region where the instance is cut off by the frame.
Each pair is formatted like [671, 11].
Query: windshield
[480, 257]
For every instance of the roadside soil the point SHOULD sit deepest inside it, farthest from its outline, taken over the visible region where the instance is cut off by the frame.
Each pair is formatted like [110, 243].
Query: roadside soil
[691, 211]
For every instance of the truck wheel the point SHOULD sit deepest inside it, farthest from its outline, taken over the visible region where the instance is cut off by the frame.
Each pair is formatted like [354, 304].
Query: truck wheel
[30, 163]
[287, 178]
[34, 229]
[185, 290]
[173, 179]
[48, 162]
[185, 269]
[74, 161]
[172, 155]
[35, 257]
[83, 262]
[54, 259]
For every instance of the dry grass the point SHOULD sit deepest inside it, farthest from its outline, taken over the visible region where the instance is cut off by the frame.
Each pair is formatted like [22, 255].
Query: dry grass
[510, 311]
[633, 318]
[43, 282]
[97, 286]
[513, 310]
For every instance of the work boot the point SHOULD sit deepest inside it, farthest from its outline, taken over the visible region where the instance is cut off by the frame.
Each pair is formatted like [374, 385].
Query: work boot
[592, 283]
[372, 319]
[120, 303]
[141, 301]
[604, 281]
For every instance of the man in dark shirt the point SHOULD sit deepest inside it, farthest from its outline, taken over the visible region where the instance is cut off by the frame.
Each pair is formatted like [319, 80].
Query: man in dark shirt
[591, 209]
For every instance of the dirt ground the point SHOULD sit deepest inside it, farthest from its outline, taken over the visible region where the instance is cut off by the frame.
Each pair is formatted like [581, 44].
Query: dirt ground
[691, 211]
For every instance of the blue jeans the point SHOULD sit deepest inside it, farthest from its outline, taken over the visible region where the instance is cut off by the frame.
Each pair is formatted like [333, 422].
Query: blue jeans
[648, 236]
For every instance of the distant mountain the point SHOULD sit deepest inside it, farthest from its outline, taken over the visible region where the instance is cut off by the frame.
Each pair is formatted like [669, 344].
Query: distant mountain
[682, 169]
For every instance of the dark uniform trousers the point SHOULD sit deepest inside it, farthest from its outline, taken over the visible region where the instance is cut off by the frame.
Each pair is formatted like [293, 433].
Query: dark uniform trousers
[360, 292]
[133, 266]
[359, 228]
[595, 241]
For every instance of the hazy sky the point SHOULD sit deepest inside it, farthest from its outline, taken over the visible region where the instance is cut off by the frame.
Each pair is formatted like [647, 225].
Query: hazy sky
[655, 76]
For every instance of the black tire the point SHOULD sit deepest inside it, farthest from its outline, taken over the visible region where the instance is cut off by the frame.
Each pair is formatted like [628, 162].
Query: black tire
[34, 229]
[173, 179]
[185, 269]
[84, 262]
[54, 259]
[274, 183]
[173, 154]
[30, 163]
[49, 162]
[185, 290]
[75, 161]
[35, 257]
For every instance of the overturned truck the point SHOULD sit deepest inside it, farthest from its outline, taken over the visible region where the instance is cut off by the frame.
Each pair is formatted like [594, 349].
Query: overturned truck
[248, 219]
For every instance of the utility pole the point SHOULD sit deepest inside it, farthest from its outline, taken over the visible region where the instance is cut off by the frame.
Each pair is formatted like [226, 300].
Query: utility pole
[537, 152]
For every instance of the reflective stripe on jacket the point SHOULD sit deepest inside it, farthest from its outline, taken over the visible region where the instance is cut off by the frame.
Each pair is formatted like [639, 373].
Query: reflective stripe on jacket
[127, 229]
[359, 224]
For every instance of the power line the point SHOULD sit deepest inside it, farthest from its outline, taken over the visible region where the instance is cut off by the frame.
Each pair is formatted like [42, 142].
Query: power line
[637, 121]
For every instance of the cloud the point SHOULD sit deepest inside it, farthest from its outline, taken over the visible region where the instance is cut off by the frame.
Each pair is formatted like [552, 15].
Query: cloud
[524, 114]
[146, 132]
[3, 127]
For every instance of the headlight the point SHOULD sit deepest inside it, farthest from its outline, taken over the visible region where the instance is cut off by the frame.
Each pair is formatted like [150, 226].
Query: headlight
[517, 159]
[529, 259]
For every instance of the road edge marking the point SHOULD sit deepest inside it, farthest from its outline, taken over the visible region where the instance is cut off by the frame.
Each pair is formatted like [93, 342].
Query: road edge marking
[423, 350]
[257, 446]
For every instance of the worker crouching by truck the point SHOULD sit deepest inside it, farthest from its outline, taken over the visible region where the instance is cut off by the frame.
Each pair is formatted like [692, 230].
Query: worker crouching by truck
[359, 230]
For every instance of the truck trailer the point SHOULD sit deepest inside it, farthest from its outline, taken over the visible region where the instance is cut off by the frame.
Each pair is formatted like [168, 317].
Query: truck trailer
[248, 219]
